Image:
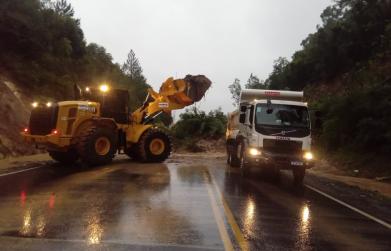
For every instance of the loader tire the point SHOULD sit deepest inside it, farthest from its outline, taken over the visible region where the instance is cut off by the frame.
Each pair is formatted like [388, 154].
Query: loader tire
[154, 146]
[97, 145]
[69, 157]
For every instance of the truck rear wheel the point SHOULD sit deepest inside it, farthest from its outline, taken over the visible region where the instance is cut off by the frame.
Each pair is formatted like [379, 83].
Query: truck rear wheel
[69, 157]
[97, 145]
[154, 146]
[298, 175]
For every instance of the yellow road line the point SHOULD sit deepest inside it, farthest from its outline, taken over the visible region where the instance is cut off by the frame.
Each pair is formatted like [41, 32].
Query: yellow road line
[230, 217]
[218, 217]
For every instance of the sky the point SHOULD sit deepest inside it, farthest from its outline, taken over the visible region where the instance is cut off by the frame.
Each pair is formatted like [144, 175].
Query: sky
[222, 39]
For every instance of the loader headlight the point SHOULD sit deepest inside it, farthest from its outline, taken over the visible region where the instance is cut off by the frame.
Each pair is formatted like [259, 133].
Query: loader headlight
[308, 156]
[254, 152]
[49, 104]
[34, 104]
[104, 88]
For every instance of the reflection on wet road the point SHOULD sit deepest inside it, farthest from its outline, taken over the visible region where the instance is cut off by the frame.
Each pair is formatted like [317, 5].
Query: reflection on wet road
[186, 204]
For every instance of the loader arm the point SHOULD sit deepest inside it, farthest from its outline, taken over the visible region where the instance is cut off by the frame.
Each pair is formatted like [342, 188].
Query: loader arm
[174, 94]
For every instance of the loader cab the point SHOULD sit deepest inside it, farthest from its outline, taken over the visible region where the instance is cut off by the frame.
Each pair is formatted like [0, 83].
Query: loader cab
[114, 103]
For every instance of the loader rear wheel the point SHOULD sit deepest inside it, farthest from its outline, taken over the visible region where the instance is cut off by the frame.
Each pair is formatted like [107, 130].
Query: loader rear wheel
[154, 146]
[97, 145]
[69, 157]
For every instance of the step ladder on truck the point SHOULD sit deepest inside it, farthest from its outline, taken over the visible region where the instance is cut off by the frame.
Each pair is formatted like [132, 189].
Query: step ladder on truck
[270, 131]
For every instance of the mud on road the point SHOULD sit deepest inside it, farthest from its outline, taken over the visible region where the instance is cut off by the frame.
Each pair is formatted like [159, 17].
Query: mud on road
[191, 202]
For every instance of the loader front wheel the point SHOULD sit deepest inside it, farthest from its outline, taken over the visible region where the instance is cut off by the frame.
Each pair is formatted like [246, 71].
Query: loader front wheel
[69, 157]
[154, 146]
[97, 146]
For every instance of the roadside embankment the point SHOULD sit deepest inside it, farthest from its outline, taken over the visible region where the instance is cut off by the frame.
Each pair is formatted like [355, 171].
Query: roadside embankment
[14, 115]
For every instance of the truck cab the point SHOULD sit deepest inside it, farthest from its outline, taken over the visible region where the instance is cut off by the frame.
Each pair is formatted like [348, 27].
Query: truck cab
[272, 132]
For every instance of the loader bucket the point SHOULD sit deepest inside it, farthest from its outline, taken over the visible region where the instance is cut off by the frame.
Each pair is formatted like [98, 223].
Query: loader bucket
[184, 92]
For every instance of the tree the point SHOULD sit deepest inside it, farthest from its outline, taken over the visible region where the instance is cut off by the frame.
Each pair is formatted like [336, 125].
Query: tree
[235, 88]
[136, 82]
[132, 66]
[43, 50]
[62, 7]
[253, 82]
[196, 124]
[277, 78]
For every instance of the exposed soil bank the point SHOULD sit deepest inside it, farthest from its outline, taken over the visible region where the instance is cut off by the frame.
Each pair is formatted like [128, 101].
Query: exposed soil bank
[14, 114]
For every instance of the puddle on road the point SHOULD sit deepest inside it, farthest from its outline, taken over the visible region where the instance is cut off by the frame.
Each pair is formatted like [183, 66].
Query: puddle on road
[130, 202]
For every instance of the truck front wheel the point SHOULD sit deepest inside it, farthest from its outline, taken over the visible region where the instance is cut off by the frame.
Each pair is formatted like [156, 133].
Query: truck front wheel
[154, 146]
[241, 150]
[97, 145]
[233, 158]
[298, 175]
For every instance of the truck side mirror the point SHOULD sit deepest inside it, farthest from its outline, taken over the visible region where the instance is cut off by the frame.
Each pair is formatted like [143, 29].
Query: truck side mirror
[243, 108]
[242, 118]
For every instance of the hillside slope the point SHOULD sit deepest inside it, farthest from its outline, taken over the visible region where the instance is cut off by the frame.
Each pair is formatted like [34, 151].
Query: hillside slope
[14, 114]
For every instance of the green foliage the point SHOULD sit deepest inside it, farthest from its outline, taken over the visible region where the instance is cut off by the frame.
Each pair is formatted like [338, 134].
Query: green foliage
[197, 124]
[359, 121]
[253, 82]
[42, 48]
[347, 57]
[277, 79]
[353, 31]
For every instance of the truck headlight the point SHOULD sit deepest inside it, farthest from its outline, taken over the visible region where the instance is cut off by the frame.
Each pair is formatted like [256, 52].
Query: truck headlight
[254, 152]
[104, 88]
[308, 156]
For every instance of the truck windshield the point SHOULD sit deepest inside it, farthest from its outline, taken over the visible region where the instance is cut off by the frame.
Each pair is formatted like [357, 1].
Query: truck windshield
[281, 115]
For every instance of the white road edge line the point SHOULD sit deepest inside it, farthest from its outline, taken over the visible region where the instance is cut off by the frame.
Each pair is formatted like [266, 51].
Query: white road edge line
[20, 171]
[381, 222]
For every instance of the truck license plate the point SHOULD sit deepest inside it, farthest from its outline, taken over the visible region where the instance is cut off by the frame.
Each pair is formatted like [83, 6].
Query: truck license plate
[296, 163]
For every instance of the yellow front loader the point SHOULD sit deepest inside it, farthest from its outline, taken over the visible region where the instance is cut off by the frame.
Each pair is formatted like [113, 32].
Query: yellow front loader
[99, 125]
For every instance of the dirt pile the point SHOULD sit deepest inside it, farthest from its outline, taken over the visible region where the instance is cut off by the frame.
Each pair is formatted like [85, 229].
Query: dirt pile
[198, 85]
[200, 145]
[14, 114]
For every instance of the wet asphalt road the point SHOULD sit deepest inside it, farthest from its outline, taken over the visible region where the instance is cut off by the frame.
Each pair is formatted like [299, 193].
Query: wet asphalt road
[188, 203]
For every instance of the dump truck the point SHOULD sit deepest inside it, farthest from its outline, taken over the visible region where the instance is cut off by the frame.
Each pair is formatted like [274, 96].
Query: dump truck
[98, 124]
[271, 131]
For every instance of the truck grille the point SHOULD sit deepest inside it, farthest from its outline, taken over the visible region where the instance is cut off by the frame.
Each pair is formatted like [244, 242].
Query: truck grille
[43, 120]
[280, 131]
[282, 146]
